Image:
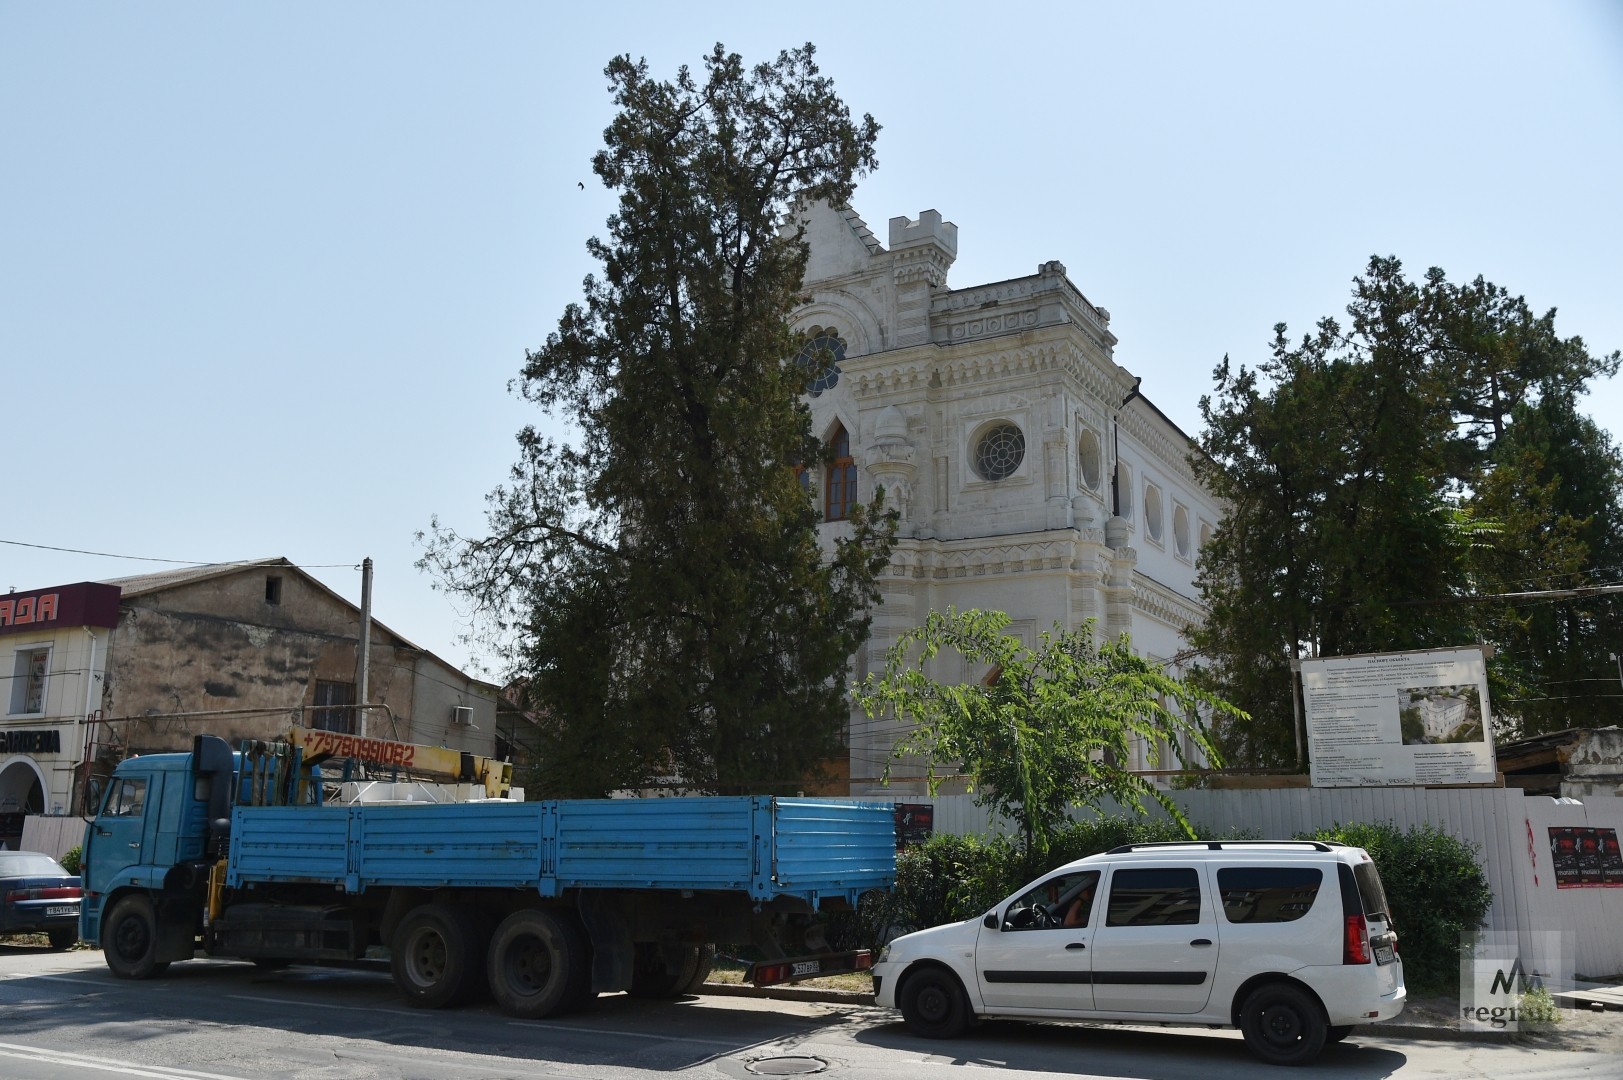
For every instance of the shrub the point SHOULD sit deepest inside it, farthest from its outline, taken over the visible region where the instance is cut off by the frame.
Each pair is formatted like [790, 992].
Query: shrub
[1437, 890]
[70, 862]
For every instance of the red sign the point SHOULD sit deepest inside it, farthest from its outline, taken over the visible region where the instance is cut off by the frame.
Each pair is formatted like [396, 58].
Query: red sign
[376, 751]
[89, 603]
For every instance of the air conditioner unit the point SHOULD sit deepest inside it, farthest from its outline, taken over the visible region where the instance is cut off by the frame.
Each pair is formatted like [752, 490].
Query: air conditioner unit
[461, 714]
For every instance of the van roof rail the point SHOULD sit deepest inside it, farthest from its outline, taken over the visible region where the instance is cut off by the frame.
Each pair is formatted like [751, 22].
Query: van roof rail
[1220, 845]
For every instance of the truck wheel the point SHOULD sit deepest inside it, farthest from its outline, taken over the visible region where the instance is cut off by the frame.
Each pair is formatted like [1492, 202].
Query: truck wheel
[652, 975]
[1283, 1025]
[701, 971]
[540, 964]
[436, 957]
[933, 1004]
[62, 937]
[129, 939]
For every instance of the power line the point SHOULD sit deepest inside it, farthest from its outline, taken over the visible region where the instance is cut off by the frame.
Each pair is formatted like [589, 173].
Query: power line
[148, 558]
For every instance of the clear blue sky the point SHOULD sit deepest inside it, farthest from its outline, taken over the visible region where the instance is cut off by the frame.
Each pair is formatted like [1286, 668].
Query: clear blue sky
[265, 270]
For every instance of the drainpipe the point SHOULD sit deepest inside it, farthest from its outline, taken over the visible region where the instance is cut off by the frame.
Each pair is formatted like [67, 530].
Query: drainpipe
[84, 749]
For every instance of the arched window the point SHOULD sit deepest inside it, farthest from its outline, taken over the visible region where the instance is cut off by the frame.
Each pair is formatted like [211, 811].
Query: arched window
[841, 489]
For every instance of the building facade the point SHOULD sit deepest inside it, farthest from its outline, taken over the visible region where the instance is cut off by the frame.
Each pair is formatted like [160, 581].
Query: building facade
[241, 650]
[1033, 474]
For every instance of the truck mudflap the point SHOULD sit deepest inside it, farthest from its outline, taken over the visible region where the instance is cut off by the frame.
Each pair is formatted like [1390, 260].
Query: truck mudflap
[792, 969]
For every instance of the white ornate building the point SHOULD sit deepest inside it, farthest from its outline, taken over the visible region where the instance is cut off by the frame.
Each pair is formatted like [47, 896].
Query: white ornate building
[1032, 474]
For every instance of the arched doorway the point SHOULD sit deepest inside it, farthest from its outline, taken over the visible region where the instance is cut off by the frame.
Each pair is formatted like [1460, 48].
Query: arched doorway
[22, 792]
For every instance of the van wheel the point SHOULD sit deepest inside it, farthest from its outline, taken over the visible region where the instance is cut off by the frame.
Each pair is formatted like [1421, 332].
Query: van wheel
[540, 964]
[129, 939]
[1337, 1033]
[933, 1004]
[436, 956]
[1283, 1025]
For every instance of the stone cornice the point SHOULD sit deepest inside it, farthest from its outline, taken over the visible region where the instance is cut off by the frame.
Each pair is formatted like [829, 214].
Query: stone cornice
[1159, 602]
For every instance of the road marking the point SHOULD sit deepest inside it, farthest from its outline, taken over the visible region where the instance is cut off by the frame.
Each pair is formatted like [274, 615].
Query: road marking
[58, 1057]
[323, 1006]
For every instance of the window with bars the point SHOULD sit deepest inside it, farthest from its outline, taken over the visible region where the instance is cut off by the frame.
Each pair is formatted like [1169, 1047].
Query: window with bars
[337, 713]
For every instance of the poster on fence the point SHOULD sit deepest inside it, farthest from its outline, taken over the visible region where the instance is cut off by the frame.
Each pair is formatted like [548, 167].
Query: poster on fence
[914, 823]
[1586, 858]
[1393, 719]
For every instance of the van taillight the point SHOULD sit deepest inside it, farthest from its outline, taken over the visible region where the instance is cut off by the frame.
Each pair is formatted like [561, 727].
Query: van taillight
[1355, 945]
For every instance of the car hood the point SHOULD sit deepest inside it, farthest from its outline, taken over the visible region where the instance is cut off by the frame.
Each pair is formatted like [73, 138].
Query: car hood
[934, 940]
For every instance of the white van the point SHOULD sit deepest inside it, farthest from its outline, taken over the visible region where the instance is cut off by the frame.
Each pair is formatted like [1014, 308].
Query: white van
[1291, 941]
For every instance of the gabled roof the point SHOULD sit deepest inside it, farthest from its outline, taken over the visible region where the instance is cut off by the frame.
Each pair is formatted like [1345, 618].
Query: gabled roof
[141, 584]
[147, 584]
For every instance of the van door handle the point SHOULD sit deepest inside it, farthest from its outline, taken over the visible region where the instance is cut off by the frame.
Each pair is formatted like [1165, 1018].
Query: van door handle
[1201, 941]
[1077, 945]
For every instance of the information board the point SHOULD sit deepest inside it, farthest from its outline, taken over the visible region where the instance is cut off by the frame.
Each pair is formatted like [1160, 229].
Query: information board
[1393, 719]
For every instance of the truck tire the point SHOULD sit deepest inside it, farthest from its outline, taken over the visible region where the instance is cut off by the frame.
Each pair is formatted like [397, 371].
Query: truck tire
[437, 957]
[652, 974]
[540, 964]
[1283, 1024]
[701, 972]
[129, 939]
[933, 1004]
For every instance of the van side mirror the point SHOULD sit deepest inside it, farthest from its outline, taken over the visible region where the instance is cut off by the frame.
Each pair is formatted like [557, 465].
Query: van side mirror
[990, 922]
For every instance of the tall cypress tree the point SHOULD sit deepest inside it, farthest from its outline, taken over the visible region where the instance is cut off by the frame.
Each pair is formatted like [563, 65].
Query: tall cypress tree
[676, 617]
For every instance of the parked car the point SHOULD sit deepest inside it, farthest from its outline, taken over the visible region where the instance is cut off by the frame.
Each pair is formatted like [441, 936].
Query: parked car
[1290, 941]
[37, 896]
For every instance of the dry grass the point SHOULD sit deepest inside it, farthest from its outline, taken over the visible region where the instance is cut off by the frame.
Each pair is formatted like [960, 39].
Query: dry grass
[859, 982]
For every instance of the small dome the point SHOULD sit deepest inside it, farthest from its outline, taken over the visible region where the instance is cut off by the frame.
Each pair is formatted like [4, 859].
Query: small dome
[890, 426]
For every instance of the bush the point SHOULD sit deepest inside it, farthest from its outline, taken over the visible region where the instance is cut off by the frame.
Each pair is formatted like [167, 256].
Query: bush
[1437, 890]
[70, 862]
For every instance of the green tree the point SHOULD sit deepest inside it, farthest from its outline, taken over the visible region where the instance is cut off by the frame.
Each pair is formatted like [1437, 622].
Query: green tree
[1557, 484]
[1050, 725]
[675, 616]
[1378, 482]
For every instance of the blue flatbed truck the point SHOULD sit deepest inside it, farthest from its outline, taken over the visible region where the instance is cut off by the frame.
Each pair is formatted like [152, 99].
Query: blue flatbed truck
[542, 905]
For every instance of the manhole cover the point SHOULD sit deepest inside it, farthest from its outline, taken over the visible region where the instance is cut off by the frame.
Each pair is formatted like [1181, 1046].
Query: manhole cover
[787, 1066]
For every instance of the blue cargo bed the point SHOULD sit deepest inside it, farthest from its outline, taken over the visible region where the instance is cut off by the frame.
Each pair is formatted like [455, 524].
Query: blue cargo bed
[810, 849]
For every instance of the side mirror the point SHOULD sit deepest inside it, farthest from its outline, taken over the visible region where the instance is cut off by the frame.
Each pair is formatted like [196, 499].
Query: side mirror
[990, 922]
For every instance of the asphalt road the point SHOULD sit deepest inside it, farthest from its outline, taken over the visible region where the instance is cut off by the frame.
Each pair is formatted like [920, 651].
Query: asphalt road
[63, 1017]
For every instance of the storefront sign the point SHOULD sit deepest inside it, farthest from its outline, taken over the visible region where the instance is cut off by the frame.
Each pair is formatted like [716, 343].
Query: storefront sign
[89, 603]
[47, 741]
[1398, 719]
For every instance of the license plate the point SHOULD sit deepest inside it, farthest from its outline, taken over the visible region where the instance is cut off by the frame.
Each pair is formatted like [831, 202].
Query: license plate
[1383, 954]
[51, 912]
[808, 967]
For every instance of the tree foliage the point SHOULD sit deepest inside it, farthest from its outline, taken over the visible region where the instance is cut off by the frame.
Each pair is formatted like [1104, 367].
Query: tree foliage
[674, 614]
[1049, 728]
[1377, 474]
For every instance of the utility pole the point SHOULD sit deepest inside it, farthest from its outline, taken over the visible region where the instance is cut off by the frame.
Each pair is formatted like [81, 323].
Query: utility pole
[363, 656]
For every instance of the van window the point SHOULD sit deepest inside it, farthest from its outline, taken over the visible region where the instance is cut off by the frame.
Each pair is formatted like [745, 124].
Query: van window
[1161, 897]
[1268, 894]
[1369, 888]
[1059, 903]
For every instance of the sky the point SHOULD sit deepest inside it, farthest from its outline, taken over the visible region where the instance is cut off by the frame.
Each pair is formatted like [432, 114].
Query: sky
[267, 269]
